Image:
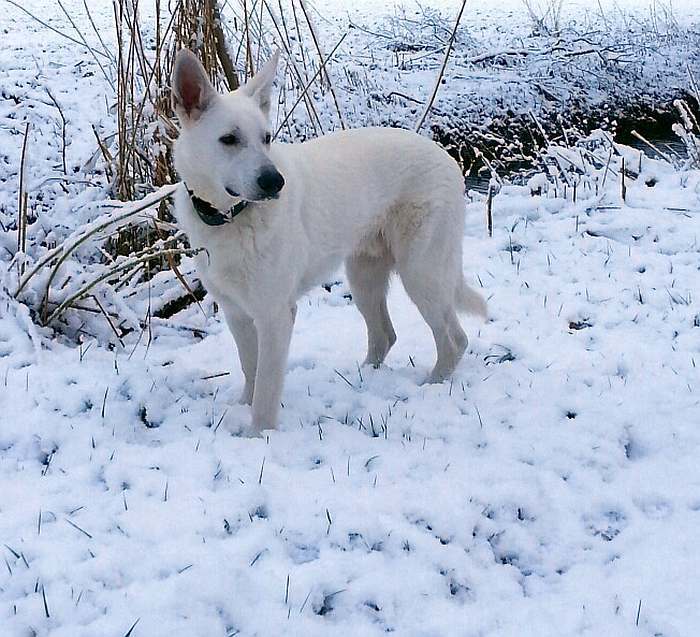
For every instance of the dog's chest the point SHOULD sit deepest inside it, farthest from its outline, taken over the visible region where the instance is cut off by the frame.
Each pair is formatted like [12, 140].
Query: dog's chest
[226, 262]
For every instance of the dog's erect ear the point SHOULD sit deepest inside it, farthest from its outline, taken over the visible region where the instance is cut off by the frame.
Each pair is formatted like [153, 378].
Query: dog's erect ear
[259, 87]
[192, 91]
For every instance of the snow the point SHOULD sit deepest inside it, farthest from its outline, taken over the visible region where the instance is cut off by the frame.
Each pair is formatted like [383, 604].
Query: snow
[552, 488]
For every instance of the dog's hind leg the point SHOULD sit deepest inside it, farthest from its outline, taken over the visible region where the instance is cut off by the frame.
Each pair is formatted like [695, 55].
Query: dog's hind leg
[429, 268]
[246, 337]
[450, 339]
[368, 275]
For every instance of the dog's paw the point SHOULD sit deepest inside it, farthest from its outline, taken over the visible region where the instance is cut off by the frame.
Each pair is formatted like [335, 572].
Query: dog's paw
[434, 379]
[251, 432]
[235, 420]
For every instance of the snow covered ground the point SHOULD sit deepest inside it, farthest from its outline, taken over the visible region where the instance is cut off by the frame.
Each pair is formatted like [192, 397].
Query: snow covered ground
[552, 488]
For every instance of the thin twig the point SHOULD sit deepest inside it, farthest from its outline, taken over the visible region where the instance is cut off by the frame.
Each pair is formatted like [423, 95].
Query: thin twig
[63, 129]
[48, 26]
[314, 119]
[489, 210]
[109, 320]
[221, 50]
[442, 69]
[308, 86]
[87, 46]
[302, 4]
[22, 201]
[107, 52]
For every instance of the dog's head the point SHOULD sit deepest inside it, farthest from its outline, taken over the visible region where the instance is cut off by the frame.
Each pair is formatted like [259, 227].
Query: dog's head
[223, 151]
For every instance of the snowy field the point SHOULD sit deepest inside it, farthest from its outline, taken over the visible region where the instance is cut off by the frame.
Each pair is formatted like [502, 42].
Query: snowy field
[551, 489]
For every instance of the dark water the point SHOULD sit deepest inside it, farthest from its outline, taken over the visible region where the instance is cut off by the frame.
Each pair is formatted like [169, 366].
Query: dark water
[477, 182]
[670, 145]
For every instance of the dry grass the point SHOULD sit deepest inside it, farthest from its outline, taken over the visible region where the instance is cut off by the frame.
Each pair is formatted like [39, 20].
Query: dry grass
[137, 158]
[137, 240]
[688, 129]
[145, 119]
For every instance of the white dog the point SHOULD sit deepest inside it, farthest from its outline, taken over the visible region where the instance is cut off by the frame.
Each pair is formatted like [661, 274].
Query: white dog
[275, 219]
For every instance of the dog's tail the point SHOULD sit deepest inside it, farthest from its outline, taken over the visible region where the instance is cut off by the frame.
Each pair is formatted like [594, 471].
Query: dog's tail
[470, 301]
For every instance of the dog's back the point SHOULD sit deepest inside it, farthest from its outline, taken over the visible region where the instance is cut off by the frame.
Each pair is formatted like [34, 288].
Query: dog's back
[362, 181]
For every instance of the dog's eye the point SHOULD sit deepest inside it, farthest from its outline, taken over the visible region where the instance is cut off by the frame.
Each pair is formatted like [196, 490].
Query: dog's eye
[268, 138]
[229, 140]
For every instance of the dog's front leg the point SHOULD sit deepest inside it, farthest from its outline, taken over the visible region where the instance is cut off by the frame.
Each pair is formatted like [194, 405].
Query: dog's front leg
[246, 337]
[274, 333]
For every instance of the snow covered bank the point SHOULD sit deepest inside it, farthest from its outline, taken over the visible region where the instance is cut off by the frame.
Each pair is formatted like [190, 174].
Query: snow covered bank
[553, 485]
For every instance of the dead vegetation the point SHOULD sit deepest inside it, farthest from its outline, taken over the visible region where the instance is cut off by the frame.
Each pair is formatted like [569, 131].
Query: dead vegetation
[139, 249]
[134, 271]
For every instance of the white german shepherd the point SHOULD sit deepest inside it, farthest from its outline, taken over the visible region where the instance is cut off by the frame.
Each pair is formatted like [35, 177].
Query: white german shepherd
[275, 219]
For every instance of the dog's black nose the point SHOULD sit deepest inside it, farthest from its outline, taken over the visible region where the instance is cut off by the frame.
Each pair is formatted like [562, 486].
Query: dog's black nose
[270, 181]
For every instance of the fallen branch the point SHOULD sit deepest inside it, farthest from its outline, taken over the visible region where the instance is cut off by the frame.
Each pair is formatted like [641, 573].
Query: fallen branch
[129, 263]
[103, 222]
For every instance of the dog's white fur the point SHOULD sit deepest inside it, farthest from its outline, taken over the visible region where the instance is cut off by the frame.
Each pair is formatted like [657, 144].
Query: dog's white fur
[380, 199]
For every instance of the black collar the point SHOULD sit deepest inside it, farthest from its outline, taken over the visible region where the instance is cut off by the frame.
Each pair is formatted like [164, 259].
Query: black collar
[213, 216]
